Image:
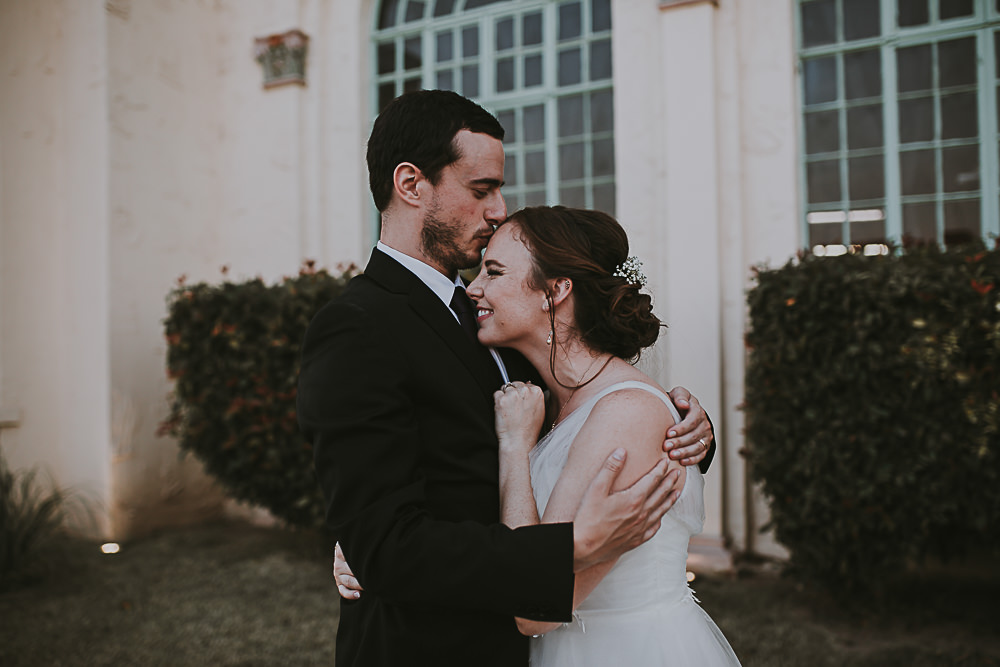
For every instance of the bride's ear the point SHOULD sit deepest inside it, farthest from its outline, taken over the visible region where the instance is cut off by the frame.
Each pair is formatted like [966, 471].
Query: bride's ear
[559, 289]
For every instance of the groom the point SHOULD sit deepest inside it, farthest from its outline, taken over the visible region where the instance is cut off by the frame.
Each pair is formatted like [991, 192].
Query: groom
[395, 394]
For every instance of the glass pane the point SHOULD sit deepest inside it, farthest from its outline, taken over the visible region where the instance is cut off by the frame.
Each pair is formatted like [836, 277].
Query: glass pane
[571, 161]
[865, 177]
[574, 196]
[867, 231]
[957, 62]
[604, 157]
[505, 75]
[411, 53]
[604, 198]
[386, 57]
[414, 11]
[386, 94]
[913, 68]
[862, 74]
[534, 123]
[531, 29]
[864, 127]
[959, 116]
[917, 172]
[445, 46]
[506, 119]
[600, 60]
[533, 70]
[411, 85]
[602, 111]
[919, 224]
[510, 171]
[534, 198]
[570, 67]
[569, 20]
[954, 8]
[387, 17]
[473, 4]
[505, 34]
[444, 7]
[513, 202]
[822, 132]
[823, 181]
[470, 42]
[445, 80]
[916, 120]
[571, 116]
[534, 167]
[961, 221]
[861, 19]
[912, 12]
[600, 12]
[829, 233]
[820, 79]
[470, 81]
[961, 168]
[996, 51]
[819, 22]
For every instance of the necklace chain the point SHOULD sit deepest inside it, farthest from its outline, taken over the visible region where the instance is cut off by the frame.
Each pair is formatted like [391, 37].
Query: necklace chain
[581, 384]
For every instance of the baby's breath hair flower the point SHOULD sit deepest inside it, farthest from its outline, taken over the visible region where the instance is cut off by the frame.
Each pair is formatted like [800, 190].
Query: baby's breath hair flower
[631, 271]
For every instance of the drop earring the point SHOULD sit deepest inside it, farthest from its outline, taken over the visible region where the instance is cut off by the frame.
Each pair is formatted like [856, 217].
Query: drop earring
[548, 341]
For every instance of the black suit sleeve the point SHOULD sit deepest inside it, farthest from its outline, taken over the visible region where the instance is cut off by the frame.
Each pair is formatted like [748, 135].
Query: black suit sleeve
[356, 407]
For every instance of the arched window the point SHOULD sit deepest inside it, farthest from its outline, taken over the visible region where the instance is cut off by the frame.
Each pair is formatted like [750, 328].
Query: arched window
[542, 67]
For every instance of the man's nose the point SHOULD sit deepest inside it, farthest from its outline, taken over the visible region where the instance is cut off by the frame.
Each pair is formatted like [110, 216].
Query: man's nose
[497, 211]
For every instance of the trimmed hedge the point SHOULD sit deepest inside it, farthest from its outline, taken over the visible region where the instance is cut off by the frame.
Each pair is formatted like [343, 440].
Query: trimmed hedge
[233, 354]
[872, 408]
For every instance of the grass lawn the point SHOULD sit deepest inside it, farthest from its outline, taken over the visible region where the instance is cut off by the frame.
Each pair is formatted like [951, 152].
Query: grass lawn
[231, 594]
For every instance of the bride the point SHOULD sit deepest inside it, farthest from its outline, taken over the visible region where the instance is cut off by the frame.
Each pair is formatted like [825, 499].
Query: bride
[557, 286]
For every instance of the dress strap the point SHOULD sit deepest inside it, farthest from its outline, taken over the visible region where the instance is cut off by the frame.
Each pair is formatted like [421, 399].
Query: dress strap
[635, 384]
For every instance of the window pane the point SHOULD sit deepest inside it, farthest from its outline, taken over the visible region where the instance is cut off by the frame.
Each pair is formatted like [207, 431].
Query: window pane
[411, 85]
[823, 179]
[861, 19]
[867, 231]
[531, 29]
[957, 62]
[506, 119]
[569, 20]
[570, 67]
[822, 132]
[604, 198]
[912, 12]
[602, 112]
[863, 74]
[534, 167]
[414, 11]
[913, 68]
[820, 76]
[534, 123]
[961, 168]
[470, 81]
[445, 46]
[825, 234]
[470, 42]
[917, 172]
[444, 7]
[533, 70]
[411, 53]
[505, 34]
[919, 224]
[959, 116]
[600, 12]
[604, 158]
[534, 198]
[600, 60]
[386, 94]
[473, 4]
[505, 75]
[864, 127]
[570, 116]
[819, 22]
[446, 80]
[954, 8]
[387, 18]
[575, 196]
[510, 171]
[386, 57]
[571, 161]
[961, 221]
[916, 120]
[866, 178]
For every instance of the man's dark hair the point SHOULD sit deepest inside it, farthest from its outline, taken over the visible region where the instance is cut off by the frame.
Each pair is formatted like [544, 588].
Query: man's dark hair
[420, 128]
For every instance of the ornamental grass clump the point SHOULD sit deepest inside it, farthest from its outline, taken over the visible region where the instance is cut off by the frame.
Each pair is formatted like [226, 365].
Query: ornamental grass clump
[233, 355]
[872, 409]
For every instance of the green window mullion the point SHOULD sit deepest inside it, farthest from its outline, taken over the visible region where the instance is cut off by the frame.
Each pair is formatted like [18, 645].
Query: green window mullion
[845, 197]
[550, 39]
[989, 160]
[890, 125]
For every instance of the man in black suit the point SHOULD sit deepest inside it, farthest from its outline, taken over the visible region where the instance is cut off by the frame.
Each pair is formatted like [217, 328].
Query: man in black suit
[396, 394]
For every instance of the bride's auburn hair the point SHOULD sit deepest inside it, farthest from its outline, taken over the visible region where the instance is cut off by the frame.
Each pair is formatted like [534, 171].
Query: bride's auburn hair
[586, 246]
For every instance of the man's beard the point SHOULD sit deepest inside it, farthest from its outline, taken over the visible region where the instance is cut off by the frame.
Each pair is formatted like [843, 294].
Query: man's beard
[440, 243]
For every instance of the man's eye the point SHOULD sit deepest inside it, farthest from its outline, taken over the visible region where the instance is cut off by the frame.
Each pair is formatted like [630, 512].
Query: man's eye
[492, 272]
[480, 193]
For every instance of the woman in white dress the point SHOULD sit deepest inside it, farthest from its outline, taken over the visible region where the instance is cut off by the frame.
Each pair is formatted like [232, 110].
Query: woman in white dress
[557, 286]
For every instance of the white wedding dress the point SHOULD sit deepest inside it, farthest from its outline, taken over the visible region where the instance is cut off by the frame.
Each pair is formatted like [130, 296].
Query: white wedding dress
[642, 613]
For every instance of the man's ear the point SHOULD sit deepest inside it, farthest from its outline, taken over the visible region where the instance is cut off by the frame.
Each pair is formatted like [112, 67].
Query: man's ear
[406, 180]
[559, 289]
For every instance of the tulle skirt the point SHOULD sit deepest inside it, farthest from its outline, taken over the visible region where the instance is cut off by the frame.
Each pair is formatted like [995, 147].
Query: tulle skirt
[675, 634]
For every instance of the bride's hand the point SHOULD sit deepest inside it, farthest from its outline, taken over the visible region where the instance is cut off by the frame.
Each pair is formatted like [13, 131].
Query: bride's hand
[520, 411]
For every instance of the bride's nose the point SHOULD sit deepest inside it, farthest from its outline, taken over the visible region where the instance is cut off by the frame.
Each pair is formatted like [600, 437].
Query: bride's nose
[475, 289]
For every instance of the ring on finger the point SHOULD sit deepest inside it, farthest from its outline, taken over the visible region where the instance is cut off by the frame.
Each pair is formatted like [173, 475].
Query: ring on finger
[507, 386]
[703, 443]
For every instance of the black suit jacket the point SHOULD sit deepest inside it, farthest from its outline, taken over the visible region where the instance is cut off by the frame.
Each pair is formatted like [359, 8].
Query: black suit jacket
[398, 403]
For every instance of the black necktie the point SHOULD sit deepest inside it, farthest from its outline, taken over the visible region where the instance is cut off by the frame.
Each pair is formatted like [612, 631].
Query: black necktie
[462, 305]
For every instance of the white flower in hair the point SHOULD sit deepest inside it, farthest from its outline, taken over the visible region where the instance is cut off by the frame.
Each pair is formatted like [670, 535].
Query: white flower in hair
[631, 271]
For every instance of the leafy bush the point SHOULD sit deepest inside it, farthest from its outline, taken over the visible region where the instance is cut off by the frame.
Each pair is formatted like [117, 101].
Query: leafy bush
[233, 353]
[872, 409]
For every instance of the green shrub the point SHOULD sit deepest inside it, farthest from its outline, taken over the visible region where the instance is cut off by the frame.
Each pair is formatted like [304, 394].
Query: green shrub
[872, 408]
[233, 353]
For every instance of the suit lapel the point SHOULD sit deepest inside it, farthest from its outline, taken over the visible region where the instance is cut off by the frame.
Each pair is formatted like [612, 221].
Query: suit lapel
[394, 277]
